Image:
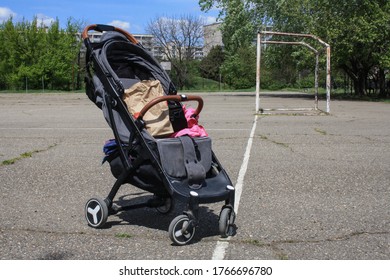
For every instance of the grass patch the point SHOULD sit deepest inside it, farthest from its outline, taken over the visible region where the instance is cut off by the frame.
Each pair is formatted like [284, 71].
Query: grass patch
[280, 255]
[320, 131]
[283, 257]
[263, 137]
[28, 154]
[24, 155]
[255, 242]
[280, 144]
[9, 161]
[123, 235]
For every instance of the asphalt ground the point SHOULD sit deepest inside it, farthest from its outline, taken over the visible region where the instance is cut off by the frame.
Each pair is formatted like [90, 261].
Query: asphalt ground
[315, 186]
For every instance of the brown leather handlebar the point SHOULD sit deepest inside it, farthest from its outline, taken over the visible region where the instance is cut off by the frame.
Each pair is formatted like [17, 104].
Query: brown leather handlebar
[102, 27]
[179, 98]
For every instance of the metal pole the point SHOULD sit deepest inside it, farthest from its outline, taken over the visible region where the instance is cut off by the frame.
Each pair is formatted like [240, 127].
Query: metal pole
[328, 79]
[258, 59]
[220, 80]
[316, 84]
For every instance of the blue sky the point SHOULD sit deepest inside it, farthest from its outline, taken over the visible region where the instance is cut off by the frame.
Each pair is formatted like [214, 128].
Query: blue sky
[132, 15]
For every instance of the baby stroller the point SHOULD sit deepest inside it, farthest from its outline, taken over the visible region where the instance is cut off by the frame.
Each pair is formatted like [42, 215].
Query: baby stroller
[181, 169]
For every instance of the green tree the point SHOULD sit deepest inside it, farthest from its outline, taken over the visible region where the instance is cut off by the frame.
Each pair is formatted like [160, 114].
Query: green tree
[211, 64]
[238, 32]
[357, 30]
[60, 59]
[35, 54]
[239, 69]
[359, 34]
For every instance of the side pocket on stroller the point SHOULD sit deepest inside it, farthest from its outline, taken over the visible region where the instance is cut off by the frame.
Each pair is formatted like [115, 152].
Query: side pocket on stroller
[144, 176]
[111, 155]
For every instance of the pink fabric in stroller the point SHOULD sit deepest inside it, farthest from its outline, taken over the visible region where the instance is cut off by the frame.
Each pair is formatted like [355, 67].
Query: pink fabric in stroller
[194, 129]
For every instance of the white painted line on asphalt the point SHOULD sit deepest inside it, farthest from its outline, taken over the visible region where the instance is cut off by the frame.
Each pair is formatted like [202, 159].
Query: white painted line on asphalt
[220, 248]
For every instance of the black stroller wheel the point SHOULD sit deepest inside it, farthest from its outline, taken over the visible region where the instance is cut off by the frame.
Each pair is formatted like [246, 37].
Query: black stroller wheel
[226, 220]
[167, 207]
[96, 212]
[181, 230]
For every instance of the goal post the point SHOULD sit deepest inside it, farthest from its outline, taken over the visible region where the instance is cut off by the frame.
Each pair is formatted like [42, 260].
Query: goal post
[315, 51]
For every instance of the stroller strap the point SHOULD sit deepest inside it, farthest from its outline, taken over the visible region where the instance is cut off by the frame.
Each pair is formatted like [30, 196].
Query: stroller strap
[196, 173]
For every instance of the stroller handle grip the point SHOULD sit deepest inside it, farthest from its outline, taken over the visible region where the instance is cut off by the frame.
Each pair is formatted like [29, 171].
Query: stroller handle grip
[178, 98]
[103, 27]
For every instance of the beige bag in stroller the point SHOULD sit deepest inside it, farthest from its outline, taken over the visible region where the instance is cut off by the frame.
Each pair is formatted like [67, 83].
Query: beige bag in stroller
[156, 118]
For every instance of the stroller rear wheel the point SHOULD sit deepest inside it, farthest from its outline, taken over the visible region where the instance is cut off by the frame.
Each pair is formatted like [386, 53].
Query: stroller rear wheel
[181, 230]
[96, 212]
[166, 207]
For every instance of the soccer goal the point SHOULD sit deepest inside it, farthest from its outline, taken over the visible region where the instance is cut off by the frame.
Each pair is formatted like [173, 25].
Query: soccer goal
[261, 42]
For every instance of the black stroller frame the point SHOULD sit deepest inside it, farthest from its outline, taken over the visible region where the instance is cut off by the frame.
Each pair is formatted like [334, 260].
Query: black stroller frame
[133, 139]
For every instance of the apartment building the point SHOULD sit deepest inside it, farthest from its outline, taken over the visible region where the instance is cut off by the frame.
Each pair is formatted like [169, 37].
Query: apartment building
[212, 37]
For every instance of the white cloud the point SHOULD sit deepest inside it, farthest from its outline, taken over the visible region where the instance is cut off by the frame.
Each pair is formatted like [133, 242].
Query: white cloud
[121, 24]
[44, 20]
[209, 19]
[6, 13]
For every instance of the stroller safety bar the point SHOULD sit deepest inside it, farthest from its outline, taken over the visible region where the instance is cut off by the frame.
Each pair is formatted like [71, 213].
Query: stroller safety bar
[178, 98]
[102, 27]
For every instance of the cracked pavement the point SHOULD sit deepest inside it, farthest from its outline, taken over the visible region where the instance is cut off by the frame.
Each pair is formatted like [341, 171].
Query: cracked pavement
[316, 187]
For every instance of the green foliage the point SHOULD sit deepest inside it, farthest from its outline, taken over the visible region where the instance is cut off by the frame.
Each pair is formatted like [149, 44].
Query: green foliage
[239, 69]
[237, 29]
[24, 155]
[38, 55]
[184, 73]
[204, 84]
[361, 41]
[210, 65]
[358, 32]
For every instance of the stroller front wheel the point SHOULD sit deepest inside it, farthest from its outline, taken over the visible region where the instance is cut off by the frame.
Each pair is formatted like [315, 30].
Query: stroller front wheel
[96, 212]
[226, 222]
[181, 230]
